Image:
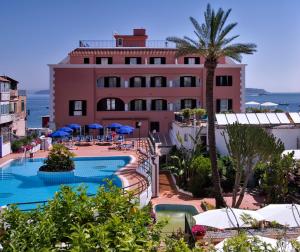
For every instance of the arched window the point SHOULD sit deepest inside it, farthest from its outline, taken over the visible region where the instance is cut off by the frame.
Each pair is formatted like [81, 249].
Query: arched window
[159, 104]
[158, 81]
[138, 105]
[137, 81]
[110, 104]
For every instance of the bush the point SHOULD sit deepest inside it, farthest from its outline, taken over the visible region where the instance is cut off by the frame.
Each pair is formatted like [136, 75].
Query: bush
[186, 113]
[200, 182]
[228, 173]
[58, 160]
[109, 221]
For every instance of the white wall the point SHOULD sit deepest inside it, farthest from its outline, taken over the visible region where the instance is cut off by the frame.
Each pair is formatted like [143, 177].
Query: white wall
[6, 149]
[220, 142]
[289, 136]
[184, 132]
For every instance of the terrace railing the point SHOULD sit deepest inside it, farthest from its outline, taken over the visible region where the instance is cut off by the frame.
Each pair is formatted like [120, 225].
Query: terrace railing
[145, 168]
[112, 44]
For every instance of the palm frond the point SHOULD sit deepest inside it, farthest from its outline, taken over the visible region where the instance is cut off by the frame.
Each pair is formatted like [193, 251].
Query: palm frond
[235, 50]
[212, 40]
[224, 18]
[225, 31]
[192, 41]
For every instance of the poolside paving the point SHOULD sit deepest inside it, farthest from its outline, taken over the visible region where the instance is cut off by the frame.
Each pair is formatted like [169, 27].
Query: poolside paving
[168, 194]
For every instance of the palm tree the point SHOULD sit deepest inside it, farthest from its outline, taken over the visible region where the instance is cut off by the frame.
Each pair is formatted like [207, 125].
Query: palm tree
[212, 42]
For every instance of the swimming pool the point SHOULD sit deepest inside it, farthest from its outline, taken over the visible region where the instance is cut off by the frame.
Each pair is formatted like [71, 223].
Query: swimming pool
[175, 214]
[20, 181]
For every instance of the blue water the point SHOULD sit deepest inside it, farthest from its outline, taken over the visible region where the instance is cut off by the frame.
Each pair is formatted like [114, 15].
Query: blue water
[292, 100]
[38, 106]
[19, 181]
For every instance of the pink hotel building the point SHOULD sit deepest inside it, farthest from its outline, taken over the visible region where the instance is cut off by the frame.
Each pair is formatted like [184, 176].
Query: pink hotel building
[132, 79]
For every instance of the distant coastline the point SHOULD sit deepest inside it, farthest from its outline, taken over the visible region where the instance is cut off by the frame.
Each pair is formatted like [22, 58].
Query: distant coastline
[42, 92]
[256, 91]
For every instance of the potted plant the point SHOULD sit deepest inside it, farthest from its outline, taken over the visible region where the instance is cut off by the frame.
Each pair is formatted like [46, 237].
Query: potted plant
[198, 231]
[186, 113]
[58, 160]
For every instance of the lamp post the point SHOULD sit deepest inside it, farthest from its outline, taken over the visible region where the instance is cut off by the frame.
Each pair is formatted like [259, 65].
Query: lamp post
[138, 125]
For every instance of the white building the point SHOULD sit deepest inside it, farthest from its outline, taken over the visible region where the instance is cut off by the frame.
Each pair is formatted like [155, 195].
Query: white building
[284, 126]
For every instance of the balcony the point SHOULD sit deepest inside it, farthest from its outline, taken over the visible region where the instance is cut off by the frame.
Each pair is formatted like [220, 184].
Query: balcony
[14, 93]
[112, 44]
[5, 96]
[5, 118]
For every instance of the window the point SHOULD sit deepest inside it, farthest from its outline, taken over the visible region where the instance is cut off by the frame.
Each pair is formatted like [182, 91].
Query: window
[77, 108]
[133, 60]
[159, 104]
[138, 105]
[224, 105]
[112, 82]
[86, 60]
[4, 109]
[119, 42]
[154, 127]
[137, 81]
[157, 60]
[23, 106]
[188, 81]
[4, 87]
[110, 104]
[158, 81]
[225, 80]
[191, 60]
[188, 103]
[104, 60]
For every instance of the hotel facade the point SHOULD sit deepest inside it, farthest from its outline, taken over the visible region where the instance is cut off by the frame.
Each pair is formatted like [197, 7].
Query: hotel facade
[132, 79]
[12, 113]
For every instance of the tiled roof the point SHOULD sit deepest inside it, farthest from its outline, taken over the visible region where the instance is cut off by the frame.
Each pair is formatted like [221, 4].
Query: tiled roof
[3, 79]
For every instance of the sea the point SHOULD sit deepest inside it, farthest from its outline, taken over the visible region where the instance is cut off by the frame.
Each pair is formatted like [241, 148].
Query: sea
[289, 102]
[38, 104]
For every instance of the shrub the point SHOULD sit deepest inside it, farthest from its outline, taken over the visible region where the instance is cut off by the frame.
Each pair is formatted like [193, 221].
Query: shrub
[58, 160]
[109, 221]
[228, 173]
[186, 113]
[200, 182]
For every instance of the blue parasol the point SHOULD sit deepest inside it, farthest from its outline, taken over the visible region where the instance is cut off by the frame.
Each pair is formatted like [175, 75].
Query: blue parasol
[95, 126]
[74, 126]
[114, 126]
[66, 129]
[124, 130]
[59, 134]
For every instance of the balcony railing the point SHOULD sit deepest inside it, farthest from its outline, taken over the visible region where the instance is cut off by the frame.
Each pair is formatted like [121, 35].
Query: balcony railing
[5, 118]
[112, 44]
[13, 93]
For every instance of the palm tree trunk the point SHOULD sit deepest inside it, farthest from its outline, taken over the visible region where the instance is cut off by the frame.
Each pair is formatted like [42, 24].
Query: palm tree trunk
[210, 67]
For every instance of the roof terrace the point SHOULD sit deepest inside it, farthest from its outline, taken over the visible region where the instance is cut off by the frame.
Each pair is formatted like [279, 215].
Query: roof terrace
[113, 44]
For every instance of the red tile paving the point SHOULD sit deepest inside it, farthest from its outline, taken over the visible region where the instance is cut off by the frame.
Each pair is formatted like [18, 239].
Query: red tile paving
[168, 194]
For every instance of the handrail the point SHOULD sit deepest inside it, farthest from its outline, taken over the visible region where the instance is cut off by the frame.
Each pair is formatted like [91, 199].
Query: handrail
[144, 162]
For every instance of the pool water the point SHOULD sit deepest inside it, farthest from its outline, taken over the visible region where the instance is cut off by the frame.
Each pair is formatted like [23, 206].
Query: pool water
[175, 215]
[20, 181]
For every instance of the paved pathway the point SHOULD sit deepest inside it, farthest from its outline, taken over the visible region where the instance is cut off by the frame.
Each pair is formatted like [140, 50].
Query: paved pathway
[168, 194]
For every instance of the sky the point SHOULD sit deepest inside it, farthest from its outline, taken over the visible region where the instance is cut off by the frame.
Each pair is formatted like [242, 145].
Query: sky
[35, 33]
